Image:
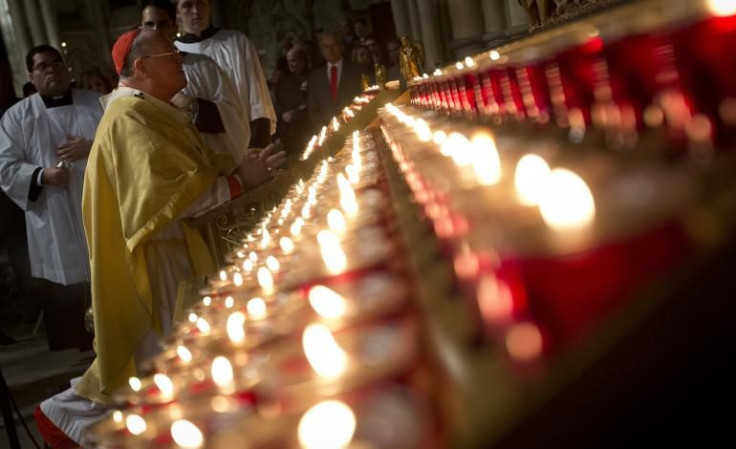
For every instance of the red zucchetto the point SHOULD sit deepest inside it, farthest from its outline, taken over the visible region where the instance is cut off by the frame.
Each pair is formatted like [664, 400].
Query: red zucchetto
[122, 47]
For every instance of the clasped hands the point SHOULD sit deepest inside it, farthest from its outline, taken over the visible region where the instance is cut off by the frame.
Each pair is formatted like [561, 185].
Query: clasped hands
[72, 149]
[258, 163]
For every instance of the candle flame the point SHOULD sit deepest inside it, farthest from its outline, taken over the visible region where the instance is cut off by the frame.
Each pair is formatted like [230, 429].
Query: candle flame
[568, 202]
[265, 280]
[336, 221]
[135, 383]
[229, 302]
[332, 253]
[306, 212]
[164, 384]
[422, 130]
[256, 308]
[485, 159]
[322, 351]
[287, 245]
[185, 355]
[530, 179]
[296, 227]
[524, 342]
[223, 275]
[135, 424]
[266, 239]
[203, 325]
[327, 425]
[238, 279]
[439, 137]
[234, 327]
[273, 264]
[222, 371]
[495, 56]
[353, 174]
[186, 434]
[722, 7]
[117, 416]
[207, 301]
[248, 265]
[192, 317]
[347, 195]
[457, 147]
[253, 256]
[326, 302]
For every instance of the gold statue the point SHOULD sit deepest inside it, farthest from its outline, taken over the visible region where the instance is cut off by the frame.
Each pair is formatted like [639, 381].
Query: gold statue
[381, 75]
[364, 82]
[408, 60]
[537, 10]
[421, 57]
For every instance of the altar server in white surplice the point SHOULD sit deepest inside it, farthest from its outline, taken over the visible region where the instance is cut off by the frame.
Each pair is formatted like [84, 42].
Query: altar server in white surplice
[210, 96]
[237, 57]
[44, 143]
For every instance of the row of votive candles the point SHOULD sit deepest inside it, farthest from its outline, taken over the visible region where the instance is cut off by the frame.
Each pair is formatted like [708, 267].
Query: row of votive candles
[655, 64]
[348, 113]
[545, 241]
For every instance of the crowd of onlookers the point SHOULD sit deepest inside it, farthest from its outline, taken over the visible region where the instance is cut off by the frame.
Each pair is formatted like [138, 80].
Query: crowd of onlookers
[288, 82]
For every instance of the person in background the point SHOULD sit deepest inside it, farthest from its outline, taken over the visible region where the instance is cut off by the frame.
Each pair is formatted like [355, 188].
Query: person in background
[140, 248]
[209, 96]
[332, 86]
[361, 31]
[44, 143]
[291, 103]
[377, 51]
[362, 56]
[348, 35]
[96, 81]
[237, 57]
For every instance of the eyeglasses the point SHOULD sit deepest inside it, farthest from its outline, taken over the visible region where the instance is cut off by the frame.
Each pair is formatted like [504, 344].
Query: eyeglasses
[162, 55]
[42, 66]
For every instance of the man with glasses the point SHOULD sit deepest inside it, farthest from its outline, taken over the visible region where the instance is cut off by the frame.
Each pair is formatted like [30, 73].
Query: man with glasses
[148, 169]
[209, 96]
[237, 57]
[44, 142]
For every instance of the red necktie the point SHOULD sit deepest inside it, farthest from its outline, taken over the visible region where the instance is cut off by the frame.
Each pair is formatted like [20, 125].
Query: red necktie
[333, 82]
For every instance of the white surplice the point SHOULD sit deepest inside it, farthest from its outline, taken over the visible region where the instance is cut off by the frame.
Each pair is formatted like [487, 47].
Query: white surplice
[29, 136]
[238, 58]
[207, 81]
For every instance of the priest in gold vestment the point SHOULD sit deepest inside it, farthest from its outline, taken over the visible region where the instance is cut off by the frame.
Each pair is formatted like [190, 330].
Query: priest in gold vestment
[148, 168]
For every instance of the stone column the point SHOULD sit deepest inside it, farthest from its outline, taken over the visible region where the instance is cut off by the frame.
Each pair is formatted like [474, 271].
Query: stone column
[400, 11]
[49, 20]
[431, 34]
[17, 40]
[517, 21]
[35, 22]
[416, 25]
[494, 16]
[466, 18]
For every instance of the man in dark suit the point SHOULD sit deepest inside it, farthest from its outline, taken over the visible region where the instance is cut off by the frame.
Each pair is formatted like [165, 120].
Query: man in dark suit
[333, 85]
[291, 103]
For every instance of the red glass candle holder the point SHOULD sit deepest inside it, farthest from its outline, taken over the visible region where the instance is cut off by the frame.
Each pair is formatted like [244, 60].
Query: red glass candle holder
[704, 55]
